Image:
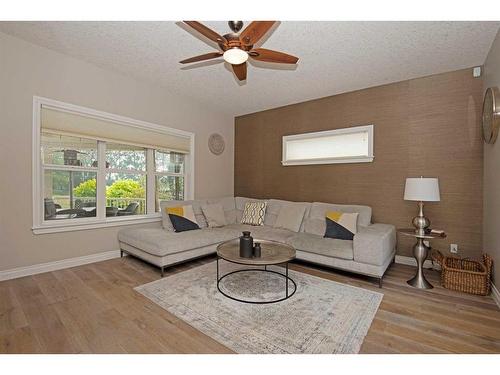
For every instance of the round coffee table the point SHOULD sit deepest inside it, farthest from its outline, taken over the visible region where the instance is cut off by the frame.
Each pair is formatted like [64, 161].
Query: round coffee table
[272, 253]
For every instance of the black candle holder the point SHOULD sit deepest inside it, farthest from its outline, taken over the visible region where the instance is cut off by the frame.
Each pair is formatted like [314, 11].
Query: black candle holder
[257, 251]
[246, 245]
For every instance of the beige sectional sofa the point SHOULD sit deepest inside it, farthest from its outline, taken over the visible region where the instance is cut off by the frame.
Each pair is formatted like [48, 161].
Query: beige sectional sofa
[369, 253]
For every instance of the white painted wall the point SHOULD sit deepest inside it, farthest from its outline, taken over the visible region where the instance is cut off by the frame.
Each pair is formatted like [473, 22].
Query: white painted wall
[27, 70]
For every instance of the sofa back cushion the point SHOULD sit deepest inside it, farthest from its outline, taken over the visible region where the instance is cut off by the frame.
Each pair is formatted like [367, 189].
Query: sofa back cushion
[319, 210]
[214, 214]
[274, 207]
[228, 205]
[315, 226]
[290, 217]
[198, 213]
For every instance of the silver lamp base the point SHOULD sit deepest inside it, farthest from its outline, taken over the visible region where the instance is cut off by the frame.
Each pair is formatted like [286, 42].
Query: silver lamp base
[420, 222]
[420, 251]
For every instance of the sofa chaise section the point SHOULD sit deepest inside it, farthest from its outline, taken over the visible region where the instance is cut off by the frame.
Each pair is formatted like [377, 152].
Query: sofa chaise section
[165, 248]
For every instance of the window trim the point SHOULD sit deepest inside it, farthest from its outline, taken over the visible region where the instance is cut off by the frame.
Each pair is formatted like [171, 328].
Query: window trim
[40, 225]
[334, 160]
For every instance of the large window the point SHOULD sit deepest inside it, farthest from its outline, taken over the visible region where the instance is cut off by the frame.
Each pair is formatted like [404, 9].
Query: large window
[89, 176]
[349, 145]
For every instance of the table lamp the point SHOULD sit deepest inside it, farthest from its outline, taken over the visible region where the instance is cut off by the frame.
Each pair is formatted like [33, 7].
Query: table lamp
[421, 189]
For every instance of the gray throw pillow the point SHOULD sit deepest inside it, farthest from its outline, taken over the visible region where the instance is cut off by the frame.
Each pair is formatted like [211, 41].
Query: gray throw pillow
[214, 213]
[290, 217]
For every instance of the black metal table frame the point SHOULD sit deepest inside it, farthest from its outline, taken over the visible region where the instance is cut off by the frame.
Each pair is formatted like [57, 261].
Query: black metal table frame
[287, 278]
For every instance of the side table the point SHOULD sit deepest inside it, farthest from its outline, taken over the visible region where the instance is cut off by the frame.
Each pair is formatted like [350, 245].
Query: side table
[420, 251]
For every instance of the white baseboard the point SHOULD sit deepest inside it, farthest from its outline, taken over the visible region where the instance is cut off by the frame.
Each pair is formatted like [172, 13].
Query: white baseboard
[410, 261]
[495, 294]
[57, 265]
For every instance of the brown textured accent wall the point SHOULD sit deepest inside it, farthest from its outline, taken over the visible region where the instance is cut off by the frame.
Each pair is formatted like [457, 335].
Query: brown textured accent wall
[427, 126]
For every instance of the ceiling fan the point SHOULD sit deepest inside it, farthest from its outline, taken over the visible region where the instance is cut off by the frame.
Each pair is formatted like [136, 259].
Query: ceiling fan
[237, 47]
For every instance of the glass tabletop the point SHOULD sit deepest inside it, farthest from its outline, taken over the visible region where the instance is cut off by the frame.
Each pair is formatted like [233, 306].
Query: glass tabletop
[411, 232]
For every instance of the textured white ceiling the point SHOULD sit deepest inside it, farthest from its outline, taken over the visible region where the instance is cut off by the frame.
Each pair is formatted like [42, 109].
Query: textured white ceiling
[335, 57]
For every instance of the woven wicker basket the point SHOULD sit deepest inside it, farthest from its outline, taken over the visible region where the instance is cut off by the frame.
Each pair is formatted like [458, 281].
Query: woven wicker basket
[465, 275]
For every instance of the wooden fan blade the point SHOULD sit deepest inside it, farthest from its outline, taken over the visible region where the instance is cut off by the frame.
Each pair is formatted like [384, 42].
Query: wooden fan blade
[206, 56]
[209, 33]
[255, 31]
[240, 71]
[268, 55]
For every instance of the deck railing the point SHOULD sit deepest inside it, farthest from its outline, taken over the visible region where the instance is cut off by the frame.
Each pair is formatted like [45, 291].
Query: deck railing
[64, 202]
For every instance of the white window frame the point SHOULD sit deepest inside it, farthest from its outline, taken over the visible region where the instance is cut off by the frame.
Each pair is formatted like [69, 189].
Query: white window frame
[41, 226]
[155, 174]
[335, 160]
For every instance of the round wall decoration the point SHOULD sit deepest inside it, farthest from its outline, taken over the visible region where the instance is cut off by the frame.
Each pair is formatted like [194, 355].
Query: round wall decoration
[491, 114]
[216, 144]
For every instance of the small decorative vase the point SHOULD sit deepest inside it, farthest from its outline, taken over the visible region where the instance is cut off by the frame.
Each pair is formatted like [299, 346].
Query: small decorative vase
[257, 250]
[246, 245]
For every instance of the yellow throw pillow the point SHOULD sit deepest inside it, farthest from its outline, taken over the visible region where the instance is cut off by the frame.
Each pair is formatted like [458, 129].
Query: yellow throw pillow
[182, 218]
[340, 225]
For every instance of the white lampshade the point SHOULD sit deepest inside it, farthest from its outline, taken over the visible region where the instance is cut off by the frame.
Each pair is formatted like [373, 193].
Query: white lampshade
[422, 189]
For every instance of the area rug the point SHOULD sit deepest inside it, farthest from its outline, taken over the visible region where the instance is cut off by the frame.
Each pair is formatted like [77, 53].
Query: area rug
[323, 316]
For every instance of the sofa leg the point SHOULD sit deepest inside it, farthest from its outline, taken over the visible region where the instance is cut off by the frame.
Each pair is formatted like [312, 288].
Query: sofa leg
[162, 270]
[380, 282]
[121, 253]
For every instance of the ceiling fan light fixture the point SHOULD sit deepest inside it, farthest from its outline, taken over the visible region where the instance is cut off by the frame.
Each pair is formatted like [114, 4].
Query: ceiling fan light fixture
[235, 56]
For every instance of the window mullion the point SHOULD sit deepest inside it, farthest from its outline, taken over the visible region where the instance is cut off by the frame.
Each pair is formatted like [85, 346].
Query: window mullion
[101, 180]
[173, 174]
[124, 171]
[150, 182]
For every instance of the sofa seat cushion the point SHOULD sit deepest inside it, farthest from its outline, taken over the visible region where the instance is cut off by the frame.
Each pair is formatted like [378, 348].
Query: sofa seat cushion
[324, 246]
[161, 242]
[262, 232]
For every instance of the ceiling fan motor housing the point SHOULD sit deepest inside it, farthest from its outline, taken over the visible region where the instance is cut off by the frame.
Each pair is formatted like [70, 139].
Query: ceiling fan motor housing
[233, 41]
[235, 26]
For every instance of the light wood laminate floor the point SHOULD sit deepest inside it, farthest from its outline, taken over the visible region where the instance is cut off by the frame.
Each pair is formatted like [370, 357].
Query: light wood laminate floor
[94, 309]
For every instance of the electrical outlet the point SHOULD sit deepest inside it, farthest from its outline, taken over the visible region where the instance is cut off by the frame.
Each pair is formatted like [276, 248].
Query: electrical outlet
[453, 248]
